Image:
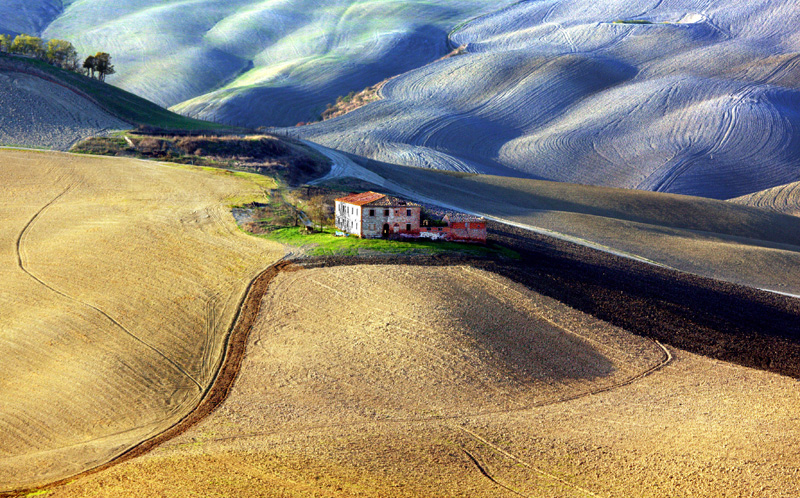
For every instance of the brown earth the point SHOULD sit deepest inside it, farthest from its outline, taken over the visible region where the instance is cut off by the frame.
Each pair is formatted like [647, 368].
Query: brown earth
[452, 381]
[121, 280]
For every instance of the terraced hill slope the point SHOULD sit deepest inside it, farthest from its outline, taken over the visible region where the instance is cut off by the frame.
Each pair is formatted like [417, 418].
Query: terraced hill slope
[696, 97]
[120, 281]
[783, 199]
[254, 63]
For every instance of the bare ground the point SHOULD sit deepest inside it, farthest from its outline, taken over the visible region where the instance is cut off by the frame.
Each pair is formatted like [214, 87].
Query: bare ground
[35, 112]
[360, 391]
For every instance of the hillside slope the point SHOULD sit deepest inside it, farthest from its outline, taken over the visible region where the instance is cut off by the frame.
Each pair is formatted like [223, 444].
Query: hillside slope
[121, 279]
[35, 112]
[44, 106]
[717, 239]
[28, 16]
[698, 97]
[255, 63]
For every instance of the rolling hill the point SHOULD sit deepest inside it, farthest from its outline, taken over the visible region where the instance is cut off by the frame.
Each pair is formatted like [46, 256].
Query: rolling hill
[694, 98]
[45, 106]
[253, 62]
[121, 279]
[682, 96]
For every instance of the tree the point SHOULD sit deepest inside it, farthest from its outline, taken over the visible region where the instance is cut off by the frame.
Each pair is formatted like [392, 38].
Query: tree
[5, 43]
[89, 66]
[103, 66]
[62, 54]
[317, 210]
[28, 45]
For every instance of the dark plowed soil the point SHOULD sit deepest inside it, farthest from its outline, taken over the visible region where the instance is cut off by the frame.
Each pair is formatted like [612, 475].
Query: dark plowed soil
[716, 319]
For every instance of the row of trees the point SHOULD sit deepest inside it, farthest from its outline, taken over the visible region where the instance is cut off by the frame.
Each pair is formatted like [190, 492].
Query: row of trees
[60, 53]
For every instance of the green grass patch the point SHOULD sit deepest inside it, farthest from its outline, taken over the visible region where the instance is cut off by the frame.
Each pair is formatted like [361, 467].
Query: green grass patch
[40, 492]
[327, 244]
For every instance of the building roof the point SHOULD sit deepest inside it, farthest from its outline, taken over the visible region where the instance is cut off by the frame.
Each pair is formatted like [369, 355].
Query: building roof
[361, 199]
[374, 199]
[462, 218]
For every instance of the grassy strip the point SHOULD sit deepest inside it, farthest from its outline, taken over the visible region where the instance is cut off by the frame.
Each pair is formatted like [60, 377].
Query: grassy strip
[327, 244]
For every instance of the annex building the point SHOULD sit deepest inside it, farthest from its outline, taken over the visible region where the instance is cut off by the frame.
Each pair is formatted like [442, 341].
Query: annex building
[372, 215]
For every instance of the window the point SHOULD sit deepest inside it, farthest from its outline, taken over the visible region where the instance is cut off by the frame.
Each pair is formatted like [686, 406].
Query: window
[440, 229]
[386, 212]
[408, 212]
[408, 227]
[372, 212]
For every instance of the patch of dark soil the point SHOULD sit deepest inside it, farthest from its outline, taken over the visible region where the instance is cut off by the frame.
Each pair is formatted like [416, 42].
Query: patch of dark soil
[708, 317]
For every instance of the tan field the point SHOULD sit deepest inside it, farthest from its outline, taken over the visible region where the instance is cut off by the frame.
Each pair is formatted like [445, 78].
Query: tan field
[783, 199]
[120, 279]
[401, 381]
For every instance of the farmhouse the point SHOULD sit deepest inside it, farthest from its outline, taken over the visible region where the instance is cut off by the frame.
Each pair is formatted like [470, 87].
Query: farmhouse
[372, 215]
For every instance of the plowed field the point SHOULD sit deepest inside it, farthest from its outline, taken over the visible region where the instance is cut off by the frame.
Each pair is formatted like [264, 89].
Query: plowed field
[120, 281]
[453, 381]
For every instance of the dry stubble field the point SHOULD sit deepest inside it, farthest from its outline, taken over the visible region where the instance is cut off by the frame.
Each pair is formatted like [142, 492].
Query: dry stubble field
[120, 280]
[384, 381]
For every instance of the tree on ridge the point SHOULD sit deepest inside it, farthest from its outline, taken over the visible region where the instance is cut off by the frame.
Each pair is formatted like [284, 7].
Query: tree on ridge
[28, 45]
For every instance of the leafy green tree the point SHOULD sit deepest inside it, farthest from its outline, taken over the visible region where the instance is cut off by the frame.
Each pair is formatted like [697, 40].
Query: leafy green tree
[5, 43]
[28, 45]
[62, 54]
[103, 66]
[89, 65]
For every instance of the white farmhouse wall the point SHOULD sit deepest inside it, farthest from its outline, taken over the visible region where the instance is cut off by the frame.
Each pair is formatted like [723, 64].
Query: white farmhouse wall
[348, 218]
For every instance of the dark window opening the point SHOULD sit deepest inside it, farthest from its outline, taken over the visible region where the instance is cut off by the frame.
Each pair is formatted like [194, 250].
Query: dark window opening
[372, 212]
[408, 227]
[408, 212]
[386, 212]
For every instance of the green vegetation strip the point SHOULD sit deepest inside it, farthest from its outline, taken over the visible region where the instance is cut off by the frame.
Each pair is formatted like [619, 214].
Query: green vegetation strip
[327, 244]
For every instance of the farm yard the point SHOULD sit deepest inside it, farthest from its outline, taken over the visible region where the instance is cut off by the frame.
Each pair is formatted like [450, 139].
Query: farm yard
[121, 279]
[404, 380]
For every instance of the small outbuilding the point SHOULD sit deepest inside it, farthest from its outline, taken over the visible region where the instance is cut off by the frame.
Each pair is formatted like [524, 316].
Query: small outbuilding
[456, 227]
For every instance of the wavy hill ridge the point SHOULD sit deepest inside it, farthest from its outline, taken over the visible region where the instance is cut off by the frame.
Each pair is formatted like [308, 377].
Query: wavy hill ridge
[700, 101]
[255, 62]
[28, 16]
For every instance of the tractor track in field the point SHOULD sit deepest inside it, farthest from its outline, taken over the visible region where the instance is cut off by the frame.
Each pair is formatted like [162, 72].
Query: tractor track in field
[667, 306]
[21, 263]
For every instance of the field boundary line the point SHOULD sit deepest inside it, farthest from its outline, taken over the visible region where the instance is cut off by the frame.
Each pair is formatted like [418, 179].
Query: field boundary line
[219, 387]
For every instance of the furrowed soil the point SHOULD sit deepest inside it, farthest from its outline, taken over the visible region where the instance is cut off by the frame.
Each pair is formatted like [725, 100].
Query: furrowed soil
[120, 283]
[442, 377]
